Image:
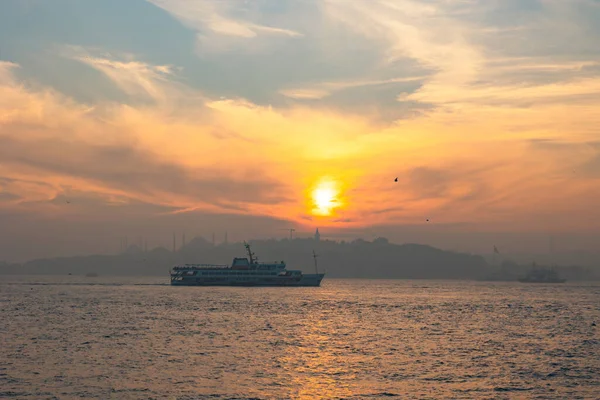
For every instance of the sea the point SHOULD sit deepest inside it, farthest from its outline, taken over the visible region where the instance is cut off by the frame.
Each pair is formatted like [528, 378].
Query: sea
[69, 337]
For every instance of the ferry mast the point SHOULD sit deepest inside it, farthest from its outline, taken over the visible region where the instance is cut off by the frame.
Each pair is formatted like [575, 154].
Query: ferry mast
[251, 255]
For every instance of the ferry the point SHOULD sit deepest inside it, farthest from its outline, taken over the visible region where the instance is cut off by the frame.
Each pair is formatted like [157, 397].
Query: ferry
[542, 275]
[246, 271]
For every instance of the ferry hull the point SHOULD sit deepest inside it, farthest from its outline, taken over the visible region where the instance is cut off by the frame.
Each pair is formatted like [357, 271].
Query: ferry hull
[307, 280]
[542, 281]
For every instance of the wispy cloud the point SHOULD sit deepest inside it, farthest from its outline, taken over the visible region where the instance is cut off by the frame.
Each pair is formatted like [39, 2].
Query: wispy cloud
[218, 22]
[464, 65]
[426, 32]
[6, 72]
[134, 77]
[539, 64]
[325, 89]
[514, 95]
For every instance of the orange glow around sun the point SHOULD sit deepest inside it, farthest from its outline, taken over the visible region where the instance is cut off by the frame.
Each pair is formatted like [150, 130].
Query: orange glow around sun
[325, 197]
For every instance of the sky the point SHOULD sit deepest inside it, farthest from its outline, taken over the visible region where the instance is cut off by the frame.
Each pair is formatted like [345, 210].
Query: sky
[141, 118]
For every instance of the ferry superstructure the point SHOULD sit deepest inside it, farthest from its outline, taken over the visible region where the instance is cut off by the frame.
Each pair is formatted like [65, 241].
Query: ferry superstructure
[542, 275]
[246, 271]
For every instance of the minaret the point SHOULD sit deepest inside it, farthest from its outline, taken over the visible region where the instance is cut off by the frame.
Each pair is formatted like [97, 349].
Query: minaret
[317, 235]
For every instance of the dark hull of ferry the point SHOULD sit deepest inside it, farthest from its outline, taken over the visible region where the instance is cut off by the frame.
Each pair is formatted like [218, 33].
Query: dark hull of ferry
[310, 280]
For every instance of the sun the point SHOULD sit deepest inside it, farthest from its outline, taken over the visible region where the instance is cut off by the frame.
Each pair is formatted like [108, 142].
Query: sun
[325, 198]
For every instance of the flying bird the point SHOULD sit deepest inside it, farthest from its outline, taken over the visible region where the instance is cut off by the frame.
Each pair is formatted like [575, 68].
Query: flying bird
[396, 180]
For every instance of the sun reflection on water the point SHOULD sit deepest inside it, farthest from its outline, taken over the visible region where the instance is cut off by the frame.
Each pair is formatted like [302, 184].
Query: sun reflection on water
[318, 372]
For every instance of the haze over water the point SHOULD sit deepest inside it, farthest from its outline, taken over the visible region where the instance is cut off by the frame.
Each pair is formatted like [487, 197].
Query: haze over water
[138, 338]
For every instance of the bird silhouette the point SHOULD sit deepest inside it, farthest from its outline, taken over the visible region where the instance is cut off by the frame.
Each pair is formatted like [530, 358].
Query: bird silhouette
[396, 180]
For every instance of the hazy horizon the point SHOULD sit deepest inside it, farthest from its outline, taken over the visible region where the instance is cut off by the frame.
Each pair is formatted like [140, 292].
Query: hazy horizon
[552, 255]
[144, 118]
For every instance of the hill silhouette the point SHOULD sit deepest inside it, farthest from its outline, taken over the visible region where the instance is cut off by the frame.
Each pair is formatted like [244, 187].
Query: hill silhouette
[356, 259]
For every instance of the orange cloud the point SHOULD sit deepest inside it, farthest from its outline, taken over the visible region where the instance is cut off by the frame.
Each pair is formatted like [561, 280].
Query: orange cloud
[469, 161]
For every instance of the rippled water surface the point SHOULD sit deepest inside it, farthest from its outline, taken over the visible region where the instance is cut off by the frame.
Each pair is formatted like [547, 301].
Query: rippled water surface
[137, 338]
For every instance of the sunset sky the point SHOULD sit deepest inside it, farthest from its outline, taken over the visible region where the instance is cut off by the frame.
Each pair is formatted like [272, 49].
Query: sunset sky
[141, 118]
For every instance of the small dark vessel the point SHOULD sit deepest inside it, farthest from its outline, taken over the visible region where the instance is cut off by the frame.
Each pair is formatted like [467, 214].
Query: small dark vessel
[542, 275]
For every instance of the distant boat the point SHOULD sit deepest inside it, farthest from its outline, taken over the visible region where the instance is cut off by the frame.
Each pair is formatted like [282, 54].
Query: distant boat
[542, 275]
[243, 272]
